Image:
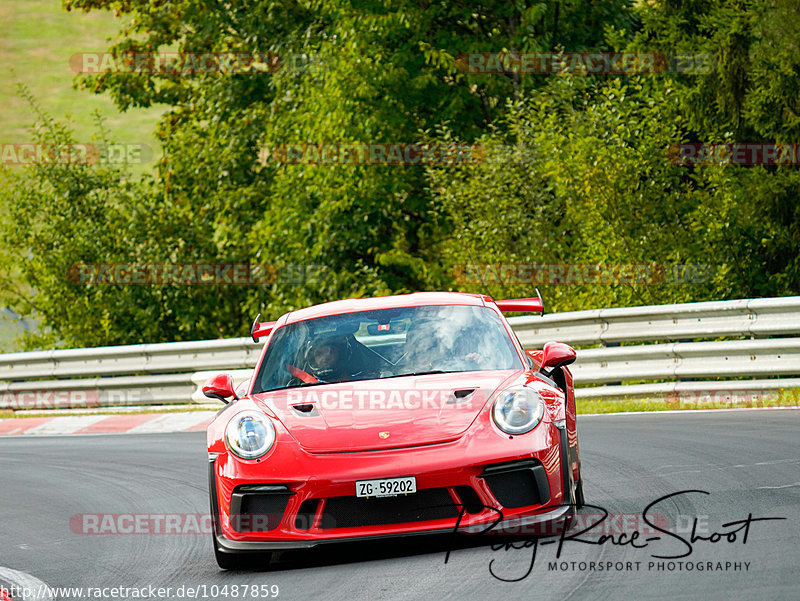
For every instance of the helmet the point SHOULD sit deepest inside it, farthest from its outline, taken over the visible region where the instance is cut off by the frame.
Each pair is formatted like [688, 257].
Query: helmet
[327, 357]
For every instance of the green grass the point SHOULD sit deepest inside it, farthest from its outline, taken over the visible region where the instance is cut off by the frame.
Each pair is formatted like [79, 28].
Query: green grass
[785, 398]
[38, 38]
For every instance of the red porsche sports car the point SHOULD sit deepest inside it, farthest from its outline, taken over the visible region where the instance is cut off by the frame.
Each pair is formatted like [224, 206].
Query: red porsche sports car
[393, 416]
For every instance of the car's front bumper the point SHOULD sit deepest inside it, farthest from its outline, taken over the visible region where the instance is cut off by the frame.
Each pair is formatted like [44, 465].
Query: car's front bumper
[482, 464]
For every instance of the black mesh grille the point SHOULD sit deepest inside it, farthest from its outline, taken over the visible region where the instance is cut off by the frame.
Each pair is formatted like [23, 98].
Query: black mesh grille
[427, 504]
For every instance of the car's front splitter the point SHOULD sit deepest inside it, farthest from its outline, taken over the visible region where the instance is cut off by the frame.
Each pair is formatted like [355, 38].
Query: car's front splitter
[541, 524]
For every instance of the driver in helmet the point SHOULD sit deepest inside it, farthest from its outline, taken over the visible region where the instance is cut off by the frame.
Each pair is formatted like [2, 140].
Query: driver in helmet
[327, 359]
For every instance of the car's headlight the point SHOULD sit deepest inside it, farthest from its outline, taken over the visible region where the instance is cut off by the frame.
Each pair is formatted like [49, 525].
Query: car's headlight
[518, 410]
[249, 434]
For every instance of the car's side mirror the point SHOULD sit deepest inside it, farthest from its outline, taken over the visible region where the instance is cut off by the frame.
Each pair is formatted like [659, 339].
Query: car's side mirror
[557, 354]
[219, 387]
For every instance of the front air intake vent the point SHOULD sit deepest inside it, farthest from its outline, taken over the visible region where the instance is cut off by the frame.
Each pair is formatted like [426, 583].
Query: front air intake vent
[258, 508]
[460, 396]
[518, 483]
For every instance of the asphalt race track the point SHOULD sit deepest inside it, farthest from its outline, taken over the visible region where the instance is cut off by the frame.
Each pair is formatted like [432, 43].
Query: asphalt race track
[747, 460]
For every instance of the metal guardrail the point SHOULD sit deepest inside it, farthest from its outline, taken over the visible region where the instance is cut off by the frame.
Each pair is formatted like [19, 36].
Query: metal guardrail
[766, 357]
[139, 374]
[754, 318]
[757, 363]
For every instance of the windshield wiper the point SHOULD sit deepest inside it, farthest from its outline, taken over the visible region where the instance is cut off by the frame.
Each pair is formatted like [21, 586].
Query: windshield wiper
[413, 373]
[300, 385]
[303, 384]
[423, 373]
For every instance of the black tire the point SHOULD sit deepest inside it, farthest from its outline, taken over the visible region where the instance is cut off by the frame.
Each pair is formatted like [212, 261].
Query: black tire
[571, 503]
[580, 500]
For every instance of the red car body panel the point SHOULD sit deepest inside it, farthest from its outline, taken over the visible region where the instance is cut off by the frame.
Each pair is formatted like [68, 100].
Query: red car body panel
[445, 447]
[429, 422]
[418, 299]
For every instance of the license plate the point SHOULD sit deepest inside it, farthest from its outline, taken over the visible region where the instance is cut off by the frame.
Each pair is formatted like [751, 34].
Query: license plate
[387, 487]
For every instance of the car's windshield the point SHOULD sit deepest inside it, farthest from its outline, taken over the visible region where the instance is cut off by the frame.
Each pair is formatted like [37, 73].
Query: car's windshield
[386, 343]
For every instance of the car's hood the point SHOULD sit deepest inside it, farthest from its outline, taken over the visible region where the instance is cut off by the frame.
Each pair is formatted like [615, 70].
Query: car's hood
[385, 413]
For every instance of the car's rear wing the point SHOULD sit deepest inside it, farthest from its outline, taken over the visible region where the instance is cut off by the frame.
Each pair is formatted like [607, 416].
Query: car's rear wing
[261, 328]
[522, 305]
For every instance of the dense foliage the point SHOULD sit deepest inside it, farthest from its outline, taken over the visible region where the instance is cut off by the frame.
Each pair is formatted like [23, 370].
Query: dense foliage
[577, 168]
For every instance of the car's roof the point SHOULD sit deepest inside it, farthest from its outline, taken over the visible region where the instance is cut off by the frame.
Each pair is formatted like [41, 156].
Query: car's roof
[417, 299]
